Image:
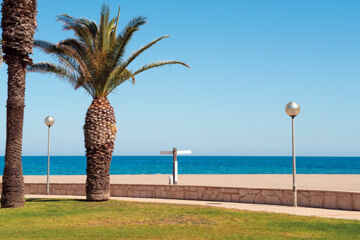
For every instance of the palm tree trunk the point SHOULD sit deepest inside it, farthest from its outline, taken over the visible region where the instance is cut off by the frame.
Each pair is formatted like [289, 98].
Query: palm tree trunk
[100, 133]
[13, 181]
[18, 23]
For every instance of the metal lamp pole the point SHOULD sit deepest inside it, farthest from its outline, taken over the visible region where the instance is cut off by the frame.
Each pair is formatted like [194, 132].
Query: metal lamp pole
[49, 121]
[292, 109]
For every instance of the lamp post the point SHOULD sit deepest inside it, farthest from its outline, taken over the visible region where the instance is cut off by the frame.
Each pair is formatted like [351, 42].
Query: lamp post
[49, 121]
[292, 109]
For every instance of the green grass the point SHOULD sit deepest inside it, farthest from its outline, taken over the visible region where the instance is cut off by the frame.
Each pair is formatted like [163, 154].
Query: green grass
[75, 219]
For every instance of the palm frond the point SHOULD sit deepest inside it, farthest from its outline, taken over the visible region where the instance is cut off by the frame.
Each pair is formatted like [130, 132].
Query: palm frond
[57, 70]
[141, 50]
[134, 23]
[122, 42]
[90, 25]
[58, 52]
[157, 64]
[117, 79]
[116, 24]
[82, 32]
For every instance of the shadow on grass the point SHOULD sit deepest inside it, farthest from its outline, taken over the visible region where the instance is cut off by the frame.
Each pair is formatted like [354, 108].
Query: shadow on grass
[48, 200]
[214, 203]
[80, 200]
[58, 200]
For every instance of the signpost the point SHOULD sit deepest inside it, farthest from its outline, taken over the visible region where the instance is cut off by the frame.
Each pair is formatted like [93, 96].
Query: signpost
[176, 152]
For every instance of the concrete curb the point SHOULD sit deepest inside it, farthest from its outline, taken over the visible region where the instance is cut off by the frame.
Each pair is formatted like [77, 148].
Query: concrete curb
[300, 211]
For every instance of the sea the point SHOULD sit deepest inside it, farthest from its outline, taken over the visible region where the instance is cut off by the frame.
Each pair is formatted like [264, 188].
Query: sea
[76, 165]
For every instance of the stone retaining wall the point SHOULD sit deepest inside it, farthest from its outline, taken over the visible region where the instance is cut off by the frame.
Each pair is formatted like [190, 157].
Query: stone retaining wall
[306, 198]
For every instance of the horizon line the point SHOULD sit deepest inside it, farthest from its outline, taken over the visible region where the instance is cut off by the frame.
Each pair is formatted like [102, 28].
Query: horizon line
[194, 155]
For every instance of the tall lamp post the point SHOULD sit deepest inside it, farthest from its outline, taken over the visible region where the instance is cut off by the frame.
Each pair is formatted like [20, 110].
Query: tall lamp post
[49, 121]
[292, 109]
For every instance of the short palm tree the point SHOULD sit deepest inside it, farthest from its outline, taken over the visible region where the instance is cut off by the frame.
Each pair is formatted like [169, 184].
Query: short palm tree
[18, 23]
[94, 60]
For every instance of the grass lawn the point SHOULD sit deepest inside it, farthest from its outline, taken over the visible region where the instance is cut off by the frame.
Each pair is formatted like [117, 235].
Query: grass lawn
[77, 219]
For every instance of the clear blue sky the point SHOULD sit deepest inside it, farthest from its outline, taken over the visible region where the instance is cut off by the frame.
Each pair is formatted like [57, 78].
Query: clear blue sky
[248, 59]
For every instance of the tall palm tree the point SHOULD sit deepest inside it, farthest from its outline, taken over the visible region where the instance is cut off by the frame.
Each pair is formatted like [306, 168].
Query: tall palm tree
[18, 27]
[94, 60]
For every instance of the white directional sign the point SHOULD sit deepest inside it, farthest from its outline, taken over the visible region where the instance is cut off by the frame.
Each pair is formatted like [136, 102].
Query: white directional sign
[178, 152]
[175, 152]
[166, 152]
[184, 152]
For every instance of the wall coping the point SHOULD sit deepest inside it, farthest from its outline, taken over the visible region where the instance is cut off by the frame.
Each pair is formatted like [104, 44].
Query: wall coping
[205, 186]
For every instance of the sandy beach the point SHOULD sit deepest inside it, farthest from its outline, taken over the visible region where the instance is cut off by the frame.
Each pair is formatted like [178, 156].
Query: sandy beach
[330, 182]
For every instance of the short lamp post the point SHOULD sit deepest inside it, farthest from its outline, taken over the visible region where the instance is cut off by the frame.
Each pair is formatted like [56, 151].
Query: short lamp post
[292, 109]
[49, 121]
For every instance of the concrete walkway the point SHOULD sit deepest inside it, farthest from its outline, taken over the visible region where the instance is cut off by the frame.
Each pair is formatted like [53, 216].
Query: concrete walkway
[301, 211]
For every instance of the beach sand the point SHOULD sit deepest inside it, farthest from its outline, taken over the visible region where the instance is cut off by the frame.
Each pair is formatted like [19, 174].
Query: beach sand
[329, 182]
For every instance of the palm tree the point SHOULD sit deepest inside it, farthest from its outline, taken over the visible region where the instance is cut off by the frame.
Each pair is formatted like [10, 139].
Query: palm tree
[94, 60]
[18, 27]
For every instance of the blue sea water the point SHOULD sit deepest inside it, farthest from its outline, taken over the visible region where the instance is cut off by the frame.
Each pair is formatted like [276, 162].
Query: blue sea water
[76, 165]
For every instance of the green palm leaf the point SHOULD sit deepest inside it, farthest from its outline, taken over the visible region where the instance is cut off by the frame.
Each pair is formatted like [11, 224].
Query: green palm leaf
[57, 70]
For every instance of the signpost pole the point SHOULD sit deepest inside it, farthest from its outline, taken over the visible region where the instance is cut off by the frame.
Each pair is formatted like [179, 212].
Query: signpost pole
[175, 166]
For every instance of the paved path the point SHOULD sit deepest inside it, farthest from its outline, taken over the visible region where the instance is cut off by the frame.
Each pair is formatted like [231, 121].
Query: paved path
[302, 211]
